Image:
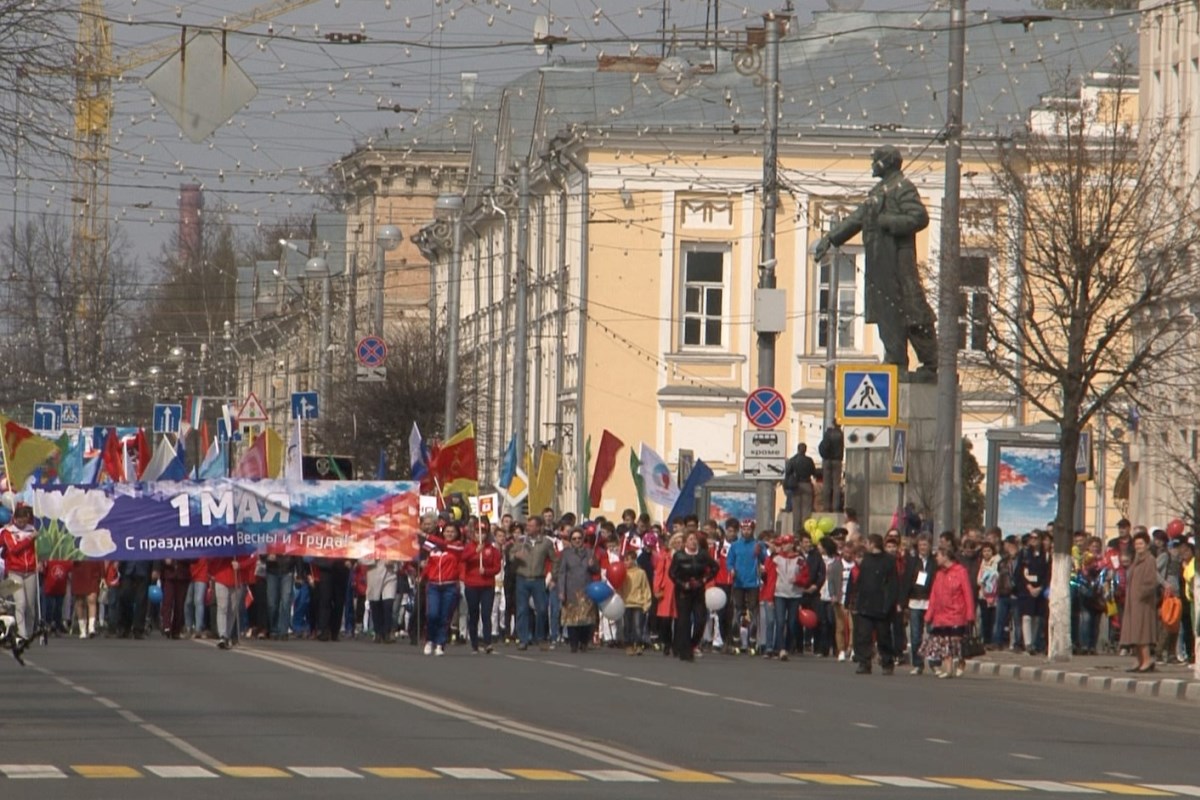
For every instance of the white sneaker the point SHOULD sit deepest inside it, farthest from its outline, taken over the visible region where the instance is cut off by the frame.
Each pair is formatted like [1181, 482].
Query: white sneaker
[429, 648]
[439, 651]
[842, 656]
[916, 671]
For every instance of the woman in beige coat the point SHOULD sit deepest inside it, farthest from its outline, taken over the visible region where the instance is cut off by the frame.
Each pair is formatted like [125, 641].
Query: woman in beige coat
[1139, 620]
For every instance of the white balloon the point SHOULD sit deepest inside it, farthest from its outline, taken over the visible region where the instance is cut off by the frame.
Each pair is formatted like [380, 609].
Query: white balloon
[613, 608]
[715, 599]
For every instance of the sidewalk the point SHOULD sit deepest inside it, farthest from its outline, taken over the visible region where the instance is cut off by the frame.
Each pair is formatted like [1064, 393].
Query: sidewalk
[1101, 673]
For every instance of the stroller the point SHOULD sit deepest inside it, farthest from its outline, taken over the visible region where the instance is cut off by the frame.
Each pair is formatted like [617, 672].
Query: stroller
[10, 638]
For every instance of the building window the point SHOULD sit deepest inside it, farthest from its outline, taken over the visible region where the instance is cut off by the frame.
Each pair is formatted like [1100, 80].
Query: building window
[974, 269]
[847, 274]
[704, 297]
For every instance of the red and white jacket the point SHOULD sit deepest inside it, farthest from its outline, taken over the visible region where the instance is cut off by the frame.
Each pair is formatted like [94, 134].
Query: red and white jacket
[19, 545]
[481, 565]
[444, 564]
[222, 570]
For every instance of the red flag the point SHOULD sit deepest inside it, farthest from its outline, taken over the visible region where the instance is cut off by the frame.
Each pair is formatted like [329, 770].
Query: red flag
[454, 464]
[253, 463]
[143, 452]
[111, 456]
[204, 442]
[606, 462]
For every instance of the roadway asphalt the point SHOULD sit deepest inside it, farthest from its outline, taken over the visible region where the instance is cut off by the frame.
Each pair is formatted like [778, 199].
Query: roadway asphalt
[121, 718]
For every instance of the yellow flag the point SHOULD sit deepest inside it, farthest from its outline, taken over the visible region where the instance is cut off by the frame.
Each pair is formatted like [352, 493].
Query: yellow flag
[541, 493]
[275, 453]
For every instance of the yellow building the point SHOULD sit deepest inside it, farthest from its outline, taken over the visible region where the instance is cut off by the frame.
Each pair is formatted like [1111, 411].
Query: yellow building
[645, 225]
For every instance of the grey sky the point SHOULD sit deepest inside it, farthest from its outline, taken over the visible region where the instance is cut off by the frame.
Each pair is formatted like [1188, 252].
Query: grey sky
[317, 100]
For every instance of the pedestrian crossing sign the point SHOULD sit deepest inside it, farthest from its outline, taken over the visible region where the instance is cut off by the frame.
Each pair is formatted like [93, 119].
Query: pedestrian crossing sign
[898, 466]
[867, 395]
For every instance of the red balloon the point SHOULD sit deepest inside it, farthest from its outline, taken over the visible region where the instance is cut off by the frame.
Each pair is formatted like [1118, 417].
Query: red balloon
[808, 618]
[616, 574]
[1175, 528]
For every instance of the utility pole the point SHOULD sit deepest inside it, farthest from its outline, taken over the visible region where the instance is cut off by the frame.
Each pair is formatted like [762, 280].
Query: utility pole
[832, 329]
[521, 326]
[453, 205]
[946, 511]
[764, 493]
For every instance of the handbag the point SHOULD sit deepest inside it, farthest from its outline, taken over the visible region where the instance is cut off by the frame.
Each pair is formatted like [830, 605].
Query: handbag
[973, 647]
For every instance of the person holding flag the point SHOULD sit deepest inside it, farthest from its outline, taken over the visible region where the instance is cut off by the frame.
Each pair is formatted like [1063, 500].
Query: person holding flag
[18, 540]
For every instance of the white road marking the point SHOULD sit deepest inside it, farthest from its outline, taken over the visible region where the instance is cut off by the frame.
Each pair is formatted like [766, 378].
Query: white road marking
[1124, 775]
[324, 772]
[865, 725]
[182, 772]
[760, 777]
[693, 691]
[469, 774]
[32, 771]
[1026, 756]
[444, 706]
[1176, 788]
[614, 776]
[747, 702]
[84, 690]
[645, 681]
[902, 782]
[1052, 786]
[129, 716]
[938, 741]
[603, 672]
[799, 711]
[104, 701]
[561, 664]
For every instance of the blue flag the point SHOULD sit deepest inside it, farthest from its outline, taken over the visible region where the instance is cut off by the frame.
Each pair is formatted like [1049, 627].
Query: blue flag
[70, 468]
[508, 464]
[381, 471]
[686, 504]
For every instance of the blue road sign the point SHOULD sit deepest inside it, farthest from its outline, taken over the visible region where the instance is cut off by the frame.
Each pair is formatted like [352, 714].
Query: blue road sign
[868, 395]
[47, 417]
[72, 414]
[898, 468]
[765, 407]
[1083, 457]
[371, 351]
[305, 405]
[167, 417]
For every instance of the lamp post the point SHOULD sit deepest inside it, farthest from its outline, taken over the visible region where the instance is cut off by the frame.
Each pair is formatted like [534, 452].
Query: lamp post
[388, 238]
[450, 206]
[317, 267]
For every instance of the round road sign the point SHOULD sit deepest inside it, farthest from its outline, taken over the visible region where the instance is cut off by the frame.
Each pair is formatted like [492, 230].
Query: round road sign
[371, 351]
[765, 407]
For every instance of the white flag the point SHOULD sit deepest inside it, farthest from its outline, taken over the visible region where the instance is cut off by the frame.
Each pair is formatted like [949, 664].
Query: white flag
[293, 465]
[660, 484]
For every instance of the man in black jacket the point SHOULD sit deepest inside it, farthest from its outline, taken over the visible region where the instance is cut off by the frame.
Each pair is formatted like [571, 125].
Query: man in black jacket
[798, 486]
[878, 593]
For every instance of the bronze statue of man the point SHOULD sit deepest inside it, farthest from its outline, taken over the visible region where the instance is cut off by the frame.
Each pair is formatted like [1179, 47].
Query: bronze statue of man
[889, 220]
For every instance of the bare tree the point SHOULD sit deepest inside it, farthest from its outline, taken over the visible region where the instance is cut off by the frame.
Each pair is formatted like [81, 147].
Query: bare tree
[37, 64]
[1104, 286]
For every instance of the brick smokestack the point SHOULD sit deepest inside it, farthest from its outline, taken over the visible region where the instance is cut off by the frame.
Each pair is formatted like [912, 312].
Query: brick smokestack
[191, 222]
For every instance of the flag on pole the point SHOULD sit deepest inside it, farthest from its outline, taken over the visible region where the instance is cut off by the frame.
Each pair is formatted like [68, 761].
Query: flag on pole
[70, 468]
[454, 466]
[164, 454]
[141, 453]
[293, 465]
[253, 463]
[275, 452]
[508, 464]
[686, 504]
[656, 475]
[215, 463]
[23, 450]
[177, 467]
[418, 456]
[635, 469]
[541, 494]
[381, 468]
[585, 503]
[91, 472]
[606, 462]
[111, 456]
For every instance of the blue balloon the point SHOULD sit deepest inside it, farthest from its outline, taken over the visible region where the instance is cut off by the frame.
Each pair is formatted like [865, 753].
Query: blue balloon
[598, 592]
[155, 593]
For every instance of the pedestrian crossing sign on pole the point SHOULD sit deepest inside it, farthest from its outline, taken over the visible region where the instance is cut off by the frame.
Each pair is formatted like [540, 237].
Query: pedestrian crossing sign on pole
[898, 464]
[868, 395]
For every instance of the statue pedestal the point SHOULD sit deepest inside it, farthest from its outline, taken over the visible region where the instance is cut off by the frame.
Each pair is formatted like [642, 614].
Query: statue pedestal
[869, 487]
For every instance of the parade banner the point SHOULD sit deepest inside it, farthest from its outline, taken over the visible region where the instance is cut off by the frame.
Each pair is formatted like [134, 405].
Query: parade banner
[226, 517]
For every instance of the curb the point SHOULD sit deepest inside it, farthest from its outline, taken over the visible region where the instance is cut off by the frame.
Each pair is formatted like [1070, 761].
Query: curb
[1170, 688]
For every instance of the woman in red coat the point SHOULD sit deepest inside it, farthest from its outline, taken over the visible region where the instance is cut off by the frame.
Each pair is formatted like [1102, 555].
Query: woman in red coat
[230, 577]
[481, 565]
[664, 591]
[443, 570]
[950, 615]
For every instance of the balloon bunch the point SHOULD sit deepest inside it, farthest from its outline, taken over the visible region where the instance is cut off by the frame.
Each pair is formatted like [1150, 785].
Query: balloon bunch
[612, 607]
[817, 527]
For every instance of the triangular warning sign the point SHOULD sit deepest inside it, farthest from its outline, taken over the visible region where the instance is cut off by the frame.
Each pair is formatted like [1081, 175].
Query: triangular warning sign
[866, 397]
[252, 410]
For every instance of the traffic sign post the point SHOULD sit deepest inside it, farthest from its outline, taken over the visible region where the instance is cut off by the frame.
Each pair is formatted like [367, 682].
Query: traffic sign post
[765, 407]
[898, 467]
[1083, 458]
[72, 415]
[868, 395]
[252, 410]
[305, 405]
[167, 417]
[371, 352]
[47, 417]
[764, 454]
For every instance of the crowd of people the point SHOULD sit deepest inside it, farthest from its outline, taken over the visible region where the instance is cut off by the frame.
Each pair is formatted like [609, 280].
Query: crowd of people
[688, 590]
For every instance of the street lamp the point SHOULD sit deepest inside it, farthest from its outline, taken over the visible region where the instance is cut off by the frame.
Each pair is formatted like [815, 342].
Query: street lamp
[317, 267]
[450, 206]
[388, 238]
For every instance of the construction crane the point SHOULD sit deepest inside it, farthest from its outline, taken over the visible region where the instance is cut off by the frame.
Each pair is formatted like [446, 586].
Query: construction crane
[95, 69]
